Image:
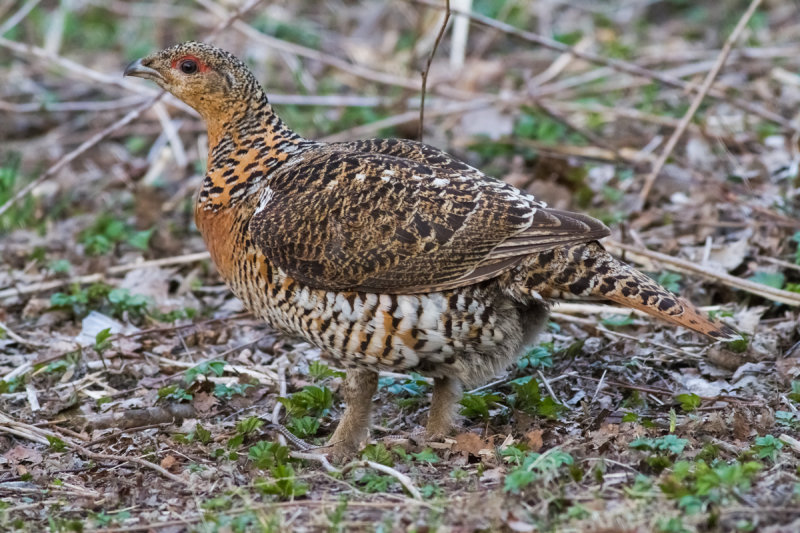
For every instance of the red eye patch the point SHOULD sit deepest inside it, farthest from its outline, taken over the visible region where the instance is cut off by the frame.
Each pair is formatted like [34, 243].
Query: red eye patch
[201, 67]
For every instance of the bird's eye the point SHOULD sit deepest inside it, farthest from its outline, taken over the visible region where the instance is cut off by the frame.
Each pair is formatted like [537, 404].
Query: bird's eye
[188, 66]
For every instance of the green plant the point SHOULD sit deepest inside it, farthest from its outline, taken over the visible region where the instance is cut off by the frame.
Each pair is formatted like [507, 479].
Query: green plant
[371, 481]
[775, 280]
[378, 453]
[204, 369]
[540, 356]
[304, 426]
[123, 301]
[108, 231]
[284, 485]
[667, 443]
[689, 401]
[104, 519]
[248, 425]
[21, 214]
[536, 466]
[789, 419]
[175, 393]
[697, 484]
[794, 395]
[408, 392]
[312, 400]
[616, 321]
[671, 525]
[767, 447]
[79, 300]
[14, 384]
[526, 397]
[267, 455]
[56, 444]
[477, 405]
[319, 371]
[226, 392]
[336, 517]
[425, 456]
[669, 280]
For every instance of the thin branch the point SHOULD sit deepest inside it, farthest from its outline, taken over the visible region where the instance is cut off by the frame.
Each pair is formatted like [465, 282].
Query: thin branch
[91, 74]
[71, 156]
[320, 458]
[428, 68]
[40, 435]
[698, 99]
[616, 64]
[399, 476]
[681, 265]
[303, 51]
[17, 17]
[92, 278]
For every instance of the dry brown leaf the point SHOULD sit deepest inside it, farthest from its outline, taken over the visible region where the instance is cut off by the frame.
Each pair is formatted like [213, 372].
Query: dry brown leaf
[741, 425]
[469, 443]
[168, 462]
[20, 453]
[534, 439]
[788, 369]
[203, 402]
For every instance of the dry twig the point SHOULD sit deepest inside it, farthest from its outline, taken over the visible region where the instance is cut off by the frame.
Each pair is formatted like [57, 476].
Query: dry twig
[698, 99]
[427, 70]
[616, 64]
[681, 265]
[399, 476]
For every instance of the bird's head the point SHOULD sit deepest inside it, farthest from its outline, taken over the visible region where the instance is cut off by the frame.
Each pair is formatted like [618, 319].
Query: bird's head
[209, 79]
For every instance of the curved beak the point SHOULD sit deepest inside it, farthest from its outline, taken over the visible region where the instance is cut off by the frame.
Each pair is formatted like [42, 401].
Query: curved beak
[139, 70]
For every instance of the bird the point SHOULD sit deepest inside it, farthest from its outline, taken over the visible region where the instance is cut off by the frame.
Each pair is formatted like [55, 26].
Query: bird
[387, 254]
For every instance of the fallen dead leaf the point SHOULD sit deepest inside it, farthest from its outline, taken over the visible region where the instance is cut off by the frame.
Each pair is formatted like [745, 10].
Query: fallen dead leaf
[168, 462]
[203, 402]
[469, 443]
[741, 425]
[20, 453]
[534, 439]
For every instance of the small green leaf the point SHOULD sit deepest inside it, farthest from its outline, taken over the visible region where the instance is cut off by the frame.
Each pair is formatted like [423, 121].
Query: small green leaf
[618, 321]
[477, 405]
[669, 443]
[141, 239]
[101, 340]
[319, 371]
[689, 402]
[768, 446]
[630, 417]
[202, 434]
[518, 480]
[379, 454]
[426, 456]
[248, 425]
[303, 427]
[56, 444]
[775, 280]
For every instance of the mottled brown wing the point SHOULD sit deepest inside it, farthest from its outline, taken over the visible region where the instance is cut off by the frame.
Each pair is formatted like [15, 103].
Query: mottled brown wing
[339, 219]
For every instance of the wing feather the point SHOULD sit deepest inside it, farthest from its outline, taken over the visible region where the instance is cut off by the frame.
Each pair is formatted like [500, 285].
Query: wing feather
[401, 219]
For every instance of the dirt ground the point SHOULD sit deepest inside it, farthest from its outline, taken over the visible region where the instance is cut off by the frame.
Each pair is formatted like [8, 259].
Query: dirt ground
[137, 394]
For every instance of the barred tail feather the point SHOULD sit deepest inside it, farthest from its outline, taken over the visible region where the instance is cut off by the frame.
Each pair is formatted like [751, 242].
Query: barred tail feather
[588, 270]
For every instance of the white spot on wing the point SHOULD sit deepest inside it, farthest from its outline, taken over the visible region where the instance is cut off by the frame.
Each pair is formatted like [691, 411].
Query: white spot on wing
[440, 182]
[266, 195]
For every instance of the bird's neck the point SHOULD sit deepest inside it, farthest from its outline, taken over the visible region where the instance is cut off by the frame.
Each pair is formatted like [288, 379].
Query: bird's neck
[244, 148]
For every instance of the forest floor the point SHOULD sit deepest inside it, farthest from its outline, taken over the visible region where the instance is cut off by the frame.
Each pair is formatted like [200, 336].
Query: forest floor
[137, 394]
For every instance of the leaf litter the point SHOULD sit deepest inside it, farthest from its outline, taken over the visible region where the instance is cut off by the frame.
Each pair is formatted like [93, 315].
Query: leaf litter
[119, 342]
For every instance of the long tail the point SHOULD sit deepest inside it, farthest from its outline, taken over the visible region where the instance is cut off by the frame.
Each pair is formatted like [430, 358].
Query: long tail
[588, 270]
